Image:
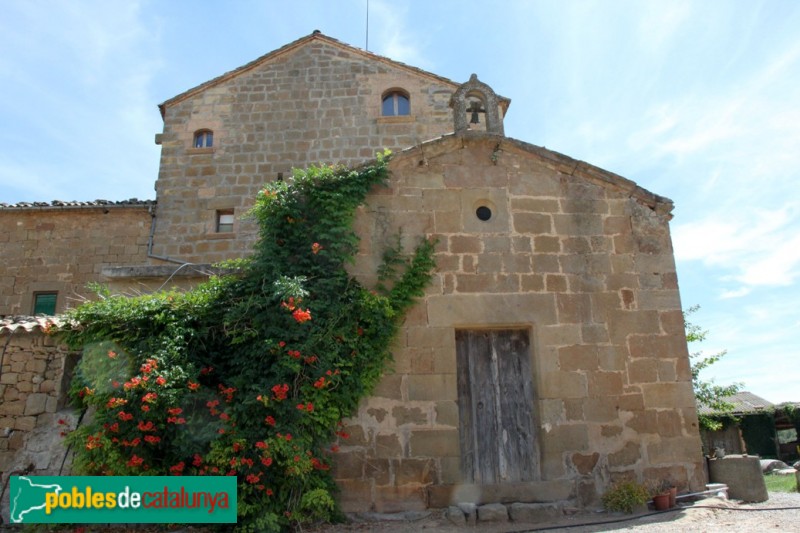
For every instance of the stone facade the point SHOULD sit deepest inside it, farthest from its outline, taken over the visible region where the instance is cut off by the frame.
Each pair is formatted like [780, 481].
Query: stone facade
[575, 261]
[580, 258]
[313, 101]
[53, 248]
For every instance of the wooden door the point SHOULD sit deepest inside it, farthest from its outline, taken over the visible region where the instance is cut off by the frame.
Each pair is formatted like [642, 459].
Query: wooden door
[495, 398]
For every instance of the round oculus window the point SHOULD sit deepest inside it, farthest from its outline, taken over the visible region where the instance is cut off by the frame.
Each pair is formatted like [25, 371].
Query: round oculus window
[483, 213]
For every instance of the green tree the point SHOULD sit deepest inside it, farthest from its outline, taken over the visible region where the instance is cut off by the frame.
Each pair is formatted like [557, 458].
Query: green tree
[707, 392]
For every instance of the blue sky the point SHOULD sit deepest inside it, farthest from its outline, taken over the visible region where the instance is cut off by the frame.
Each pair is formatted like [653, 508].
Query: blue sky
[698, 101]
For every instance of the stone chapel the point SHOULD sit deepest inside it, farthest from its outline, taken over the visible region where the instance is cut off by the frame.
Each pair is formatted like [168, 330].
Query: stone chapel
[547, 358]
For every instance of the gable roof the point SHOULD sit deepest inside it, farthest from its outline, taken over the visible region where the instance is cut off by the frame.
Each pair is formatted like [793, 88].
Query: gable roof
[744, 403]
[559, 161]
[316, 35]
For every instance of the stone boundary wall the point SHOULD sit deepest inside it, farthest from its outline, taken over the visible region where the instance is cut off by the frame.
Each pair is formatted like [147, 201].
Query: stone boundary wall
[36, 370]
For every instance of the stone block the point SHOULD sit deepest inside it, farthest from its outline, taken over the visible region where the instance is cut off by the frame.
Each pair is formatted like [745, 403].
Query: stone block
[52, 404]
[668, 395]
[675, 450]
[544, 263]
[409, 415]
[378, 470]
[446, 414]
[358, 435]
[574, 308]
[390, 386]
[600, 411]
[629, 455]
[465, 244]
[566, 438]
[563, 385]
[432, 387]
[470, 511]
[450, 470]
[492, 512]
[14, 408]
[578, 224]
[642, 371]
[657, 346]
[584, 464]
[625, 323]
[410, 471]
[35, 404]
[644, 422]
[532, 223]
[434, 443]
[560, 334]
[355, 496]
[25, 423]
[594, 334]
[574, 409]
[491, 309]
[535, 205]
[388, 445]
[546, 244]
[455, 516]
[605, 384]
[577, 357]
[348, 465]
[398, 499]
[555, 283]
[534, 512]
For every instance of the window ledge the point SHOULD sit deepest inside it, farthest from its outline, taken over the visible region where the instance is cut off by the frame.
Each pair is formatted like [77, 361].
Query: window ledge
[402, 119]
[223, 235]
[196, 151]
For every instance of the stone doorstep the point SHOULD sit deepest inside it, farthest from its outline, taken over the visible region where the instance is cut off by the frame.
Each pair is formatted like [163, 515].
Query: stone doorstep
[497, 512]
[443, 496]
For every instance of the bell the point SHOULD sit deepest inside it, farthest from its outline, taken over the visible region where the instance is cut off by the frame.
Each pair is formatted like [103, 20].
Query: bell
[474, 119]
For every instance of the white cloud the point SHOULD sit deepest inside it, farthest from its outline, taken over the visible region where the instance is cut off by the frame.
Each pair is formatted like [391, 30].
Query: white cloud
[753, 247]
[737, 293]
[390, 36]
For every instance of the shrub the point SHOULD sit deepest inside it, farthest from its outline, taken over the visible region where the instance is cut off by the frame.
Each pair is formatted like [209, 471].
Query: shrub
[251, 374]
[625, 496]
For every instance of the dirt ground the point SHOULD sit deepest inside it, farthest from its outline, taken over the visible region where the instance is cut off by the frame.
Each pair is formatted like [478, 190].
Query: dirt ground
[780, 513]
[709, 515]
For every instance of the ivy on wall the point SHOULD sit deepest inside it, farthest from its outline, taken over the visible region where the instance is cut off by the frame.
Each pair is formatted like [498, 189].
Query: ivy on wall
[249, 375]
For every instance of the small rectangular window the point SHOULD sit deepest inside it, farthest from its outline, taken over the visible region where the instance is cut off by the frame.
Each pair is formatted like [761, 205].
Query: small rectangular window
[224, 221]
[44, 303]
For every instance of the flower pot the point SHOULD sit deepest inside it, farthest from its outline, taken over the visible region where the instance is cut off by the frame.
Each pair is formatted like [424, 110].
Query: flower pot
[661, 501]
[673, 496]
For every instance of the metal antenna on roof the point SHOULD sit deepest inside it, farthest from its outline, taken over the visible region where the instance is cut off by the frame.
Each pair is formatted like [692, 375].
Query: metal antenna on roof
[367, 45]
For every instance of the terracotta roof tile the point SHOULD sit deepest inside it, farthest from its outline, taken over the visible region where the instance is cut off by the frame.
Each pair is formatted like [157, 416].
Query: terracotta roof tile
[71, 204]
[743, 403]
[11, 324]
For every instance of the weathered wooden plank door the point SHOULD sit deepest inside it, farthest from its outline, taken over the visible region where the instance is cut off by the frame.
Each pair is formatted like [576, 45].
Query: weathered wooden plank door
[495, 397]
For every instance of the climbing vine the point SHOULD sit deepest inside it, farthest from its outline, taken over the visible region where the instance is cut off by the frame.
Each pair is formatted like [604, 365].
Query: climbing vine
[249, 375]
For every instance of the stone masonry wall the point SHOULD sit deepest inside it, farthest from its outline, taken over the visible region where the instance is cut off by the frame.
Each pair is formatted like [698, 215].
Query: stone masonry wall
[62, 249]
[317, 103]
[32, 404]
[579, 257]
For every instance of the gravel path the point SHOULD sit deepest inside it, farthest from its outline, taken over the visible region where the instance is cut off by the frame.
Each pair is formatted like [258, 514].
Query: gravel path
[706, 516]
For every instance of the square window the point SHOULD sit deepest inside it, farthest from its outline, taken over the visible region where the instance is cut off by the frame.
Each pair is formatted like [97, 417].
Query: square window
[44, 303]
[225, 221]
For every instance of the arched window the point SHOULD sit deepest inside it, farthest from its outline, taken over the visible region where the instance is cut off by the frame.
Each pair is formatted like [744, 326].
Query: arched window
[395, 103]
[203, 139]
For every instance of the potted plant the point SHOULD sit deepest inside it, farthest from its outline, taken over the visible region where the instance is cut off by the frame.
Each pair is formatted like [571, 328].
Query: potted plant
[661, 494]
[625, 496]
